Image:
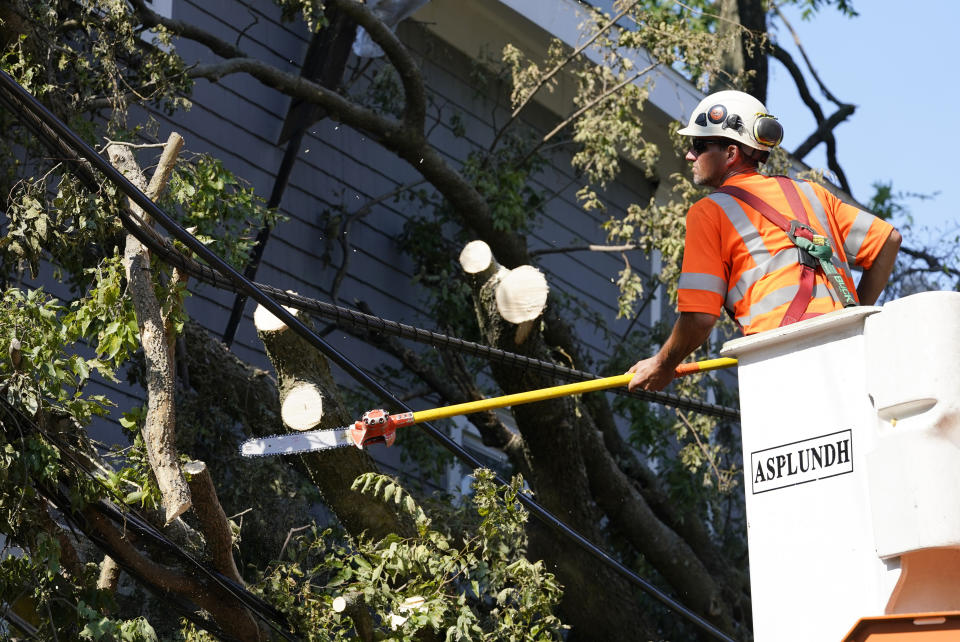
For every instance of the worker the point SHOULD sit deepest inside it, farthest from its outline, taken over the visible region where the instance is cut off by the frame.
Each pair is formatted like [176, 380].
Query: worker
[769, 250]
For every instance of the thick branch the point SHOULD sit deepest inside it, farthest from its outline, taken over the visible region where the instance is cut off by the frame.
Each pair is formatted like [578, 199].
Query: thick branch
[415, 106]
[159, 426]
[408, 143]
[126, 553]
[220, 47]
[213, 521]
[235, 620]
[631, 515]
[332, 471]
[582, 248]
[824, 128]
[349, 113]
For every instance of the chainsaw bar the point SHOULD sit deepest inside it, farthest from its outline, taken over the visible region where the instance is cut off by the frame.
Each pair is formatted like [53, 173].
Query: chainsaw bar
[293, 443]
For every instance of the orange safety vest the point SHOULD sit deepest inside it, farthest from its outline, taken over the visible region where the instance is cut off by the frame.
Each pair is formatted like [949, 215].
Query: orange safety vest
[735, 258]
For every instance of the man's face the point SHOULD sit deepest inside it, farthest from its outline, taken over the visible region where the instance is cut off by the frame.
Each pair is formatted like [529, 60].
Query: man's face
[709, 161]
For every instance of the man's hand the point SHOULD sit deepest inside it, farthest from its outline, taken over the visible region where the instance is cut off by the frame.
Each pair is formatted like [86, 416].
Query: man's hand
[656, 373]
[650, 374]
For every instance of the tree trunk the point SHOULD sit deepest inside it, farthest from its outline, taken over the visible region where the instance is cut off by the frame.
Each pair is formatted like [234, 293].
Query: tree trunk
[301, 367]
[551, 432]
[748, 51]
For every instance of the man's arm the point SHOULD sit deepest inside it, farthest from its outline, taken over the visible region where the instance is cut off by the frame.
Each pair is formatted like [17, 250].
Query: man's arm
[875, 279]
[689, 332]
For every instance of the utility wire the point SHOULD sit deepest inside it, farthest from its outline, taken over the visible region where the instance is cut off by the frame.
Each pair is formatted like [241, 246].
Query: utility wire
[128, 519]
[82, 157]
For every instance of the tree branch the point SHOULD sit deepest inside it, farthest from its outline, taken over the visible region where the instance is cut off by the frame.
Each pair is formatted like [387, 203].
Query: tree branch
[234, 619]
[582, 248]
[160, 425]
[935, 264]
[343, 236]
[415, 109]
[813, 72]
[824, 128]
[824, 131]
[218, 46]
[557, 68]
[213, 521]
[409, 144]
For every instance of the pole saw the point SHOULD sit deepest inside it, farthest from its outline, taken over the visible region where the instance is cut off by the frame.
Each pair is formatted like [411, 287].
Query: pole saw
[379, 426]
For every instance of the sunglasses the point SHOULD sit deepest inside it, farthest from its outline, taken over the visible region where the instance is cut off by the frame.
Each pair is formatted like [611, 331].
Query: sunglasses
[699, 145]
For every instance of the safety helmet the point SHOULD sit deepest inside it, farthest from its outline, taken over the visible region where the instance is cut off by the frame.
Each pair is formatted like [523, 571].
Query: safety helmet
[735, 115]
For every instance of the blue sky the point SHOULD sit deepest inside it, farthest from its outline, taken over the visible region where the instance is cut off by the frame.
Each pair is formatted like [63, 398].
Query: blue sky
[894, 62]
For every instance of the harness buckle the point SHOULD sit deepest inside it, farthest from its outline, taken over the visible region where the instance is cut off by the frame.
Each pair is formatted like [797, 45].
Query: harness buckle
[802, 230]
[809, 234]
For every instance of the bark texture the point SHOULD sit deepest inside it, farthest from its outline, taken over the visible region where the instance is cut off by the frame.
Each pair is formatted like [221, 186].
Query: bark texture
[160, 424]
[332, 471]
[213, 521]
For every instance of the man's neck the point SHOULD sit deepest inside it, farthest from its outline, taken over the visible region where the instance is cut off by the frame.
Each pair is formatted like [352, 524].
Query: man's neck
[737, 171]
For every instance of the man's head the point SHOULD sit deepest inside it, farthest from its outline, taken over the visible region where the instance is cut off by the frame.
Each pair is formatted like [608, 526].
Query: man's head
[730, 131]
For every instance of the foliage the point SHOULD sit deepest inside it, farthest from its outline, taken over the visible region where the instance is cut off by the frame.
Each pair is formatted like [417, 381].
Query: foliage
[107, 57]
[473, 585]
[220, 208]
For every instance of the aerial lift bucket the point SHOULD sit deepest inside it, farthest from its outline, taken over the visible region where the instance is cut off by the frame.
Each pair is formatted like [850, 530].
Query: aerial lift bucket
[851, 448]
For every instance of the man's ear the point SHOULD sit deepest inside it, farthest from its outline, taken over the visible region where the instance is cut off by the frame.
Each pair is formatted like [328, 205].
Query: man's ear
[734, 155]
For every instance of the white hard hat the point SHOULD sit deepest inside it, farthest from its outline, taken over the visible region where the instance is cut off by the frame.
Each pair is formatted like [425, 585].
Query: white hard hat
[735, 115]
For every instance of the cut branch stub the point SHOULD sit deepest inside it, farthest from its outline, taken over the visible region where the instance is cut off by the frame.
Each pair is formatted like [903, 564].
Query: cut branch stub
[265, 321]
[521, 296]
[302, 408]
[301, 393]
[213, 521]
[476, 258]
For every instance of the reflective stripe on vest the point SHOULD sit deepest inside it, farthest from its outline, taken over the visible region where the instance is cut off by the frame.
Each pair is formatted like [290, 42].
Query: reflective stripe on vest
[842, 266]
[781, 296]
[702, 281]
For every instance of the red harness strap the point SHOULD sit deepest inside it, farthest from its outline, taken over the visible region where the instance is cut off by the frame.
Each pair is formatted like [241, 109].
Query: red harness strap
[801, 301]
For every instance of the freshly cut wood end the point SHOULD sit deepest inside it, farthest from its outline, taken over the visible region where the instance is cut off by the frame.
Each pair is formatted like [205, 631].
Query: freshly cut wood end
[475, 257]
[265, 321]
[302, 408]
[339, 604]
[522, 294]
[194, 467]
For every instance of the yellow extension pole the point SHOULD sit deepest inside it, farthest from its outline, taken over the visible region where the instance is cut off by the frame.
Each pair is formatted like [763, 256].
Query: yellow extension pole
[558, 391]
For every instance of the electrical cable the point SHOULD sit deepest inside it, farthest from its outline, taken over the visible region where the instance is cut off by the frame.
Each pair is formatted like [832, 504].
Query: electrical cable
[129, 520]
[82, 156]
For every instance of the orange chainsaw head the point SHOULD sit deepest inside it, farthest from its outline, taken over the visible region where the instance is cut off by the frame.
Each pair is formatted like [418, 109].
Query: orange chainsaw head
[376, 426]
